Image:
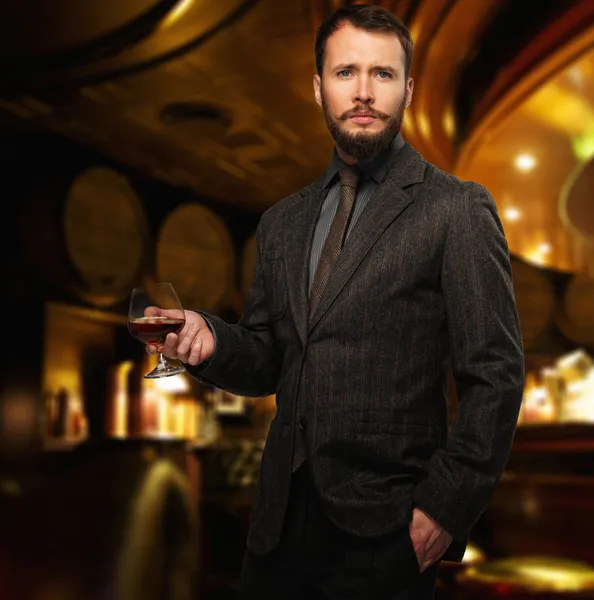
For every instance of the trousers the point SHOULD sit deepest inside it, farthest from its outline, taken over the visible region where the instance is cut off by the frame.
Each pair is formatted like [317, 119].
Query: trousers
[315, 560]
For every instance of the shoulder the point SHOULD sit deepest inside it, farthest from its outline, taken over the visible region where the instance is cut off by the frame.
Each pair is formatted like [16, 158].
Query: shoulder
[468, 209]
[451, 184]
[456, 194]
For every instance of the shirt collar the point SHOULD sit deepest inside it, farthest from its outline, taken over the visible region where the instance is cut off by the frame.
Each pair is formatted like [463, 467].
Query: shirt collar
[376, 168]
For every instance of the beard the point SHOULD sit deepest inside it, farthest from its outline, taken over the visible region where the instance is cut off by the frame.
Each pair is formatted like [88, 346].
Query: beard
[364, 145]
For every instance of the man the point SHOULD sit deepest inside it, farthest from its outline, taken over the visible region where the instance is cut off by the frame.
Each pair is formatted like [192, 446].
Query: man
[368, 285]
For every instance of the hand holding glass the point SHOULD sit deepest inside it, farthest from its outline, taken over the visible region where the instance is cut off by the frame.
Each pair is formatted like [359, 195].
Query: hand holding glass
[155, 311]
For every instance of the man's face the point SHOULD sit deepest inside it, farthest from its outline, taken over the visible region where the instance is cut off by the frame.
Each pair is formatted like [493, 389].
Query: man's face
[363, 90]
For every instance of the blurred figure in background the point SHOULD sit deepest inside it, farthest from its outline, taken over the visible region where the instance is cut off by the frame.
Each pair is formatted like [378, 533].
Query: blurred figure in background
[369, 284]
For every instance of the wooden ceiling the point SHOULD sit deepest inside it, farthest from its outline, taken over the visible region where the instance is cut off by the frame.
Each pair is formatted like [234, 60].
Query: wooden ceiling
[232, 118]
[217, 96]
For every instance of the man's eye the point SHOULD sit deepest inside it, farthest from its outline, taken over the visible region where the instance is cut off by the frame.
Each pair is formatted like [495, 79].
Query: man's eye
[344, 73]
[384, 75]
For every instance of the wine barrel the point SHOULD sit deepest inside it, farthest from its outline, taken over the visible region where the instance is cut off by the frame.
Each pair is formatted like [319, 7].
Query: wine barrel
[535, 298]
[195, 254]
[247, 265]
[115, 521]
[89, 235]
[575, 317]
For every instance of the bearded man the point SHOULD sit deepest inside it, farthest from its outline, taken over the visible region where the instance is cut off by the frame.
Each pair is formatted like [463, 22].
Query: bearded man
[370, 285]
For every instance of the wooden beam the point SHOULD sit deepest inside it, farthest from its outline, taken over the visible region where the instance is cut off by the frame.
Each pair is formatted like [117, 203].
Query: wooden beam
[576, 21]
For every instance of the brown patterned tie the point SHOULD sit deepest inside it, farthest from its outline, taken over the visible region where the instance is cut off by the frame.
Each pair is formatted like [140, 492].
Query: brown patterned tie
[349, 178]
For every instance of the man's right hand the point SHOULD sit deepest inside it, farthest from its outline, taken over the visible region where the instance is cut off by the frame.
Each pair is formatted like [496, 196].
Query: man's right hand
[192, 345]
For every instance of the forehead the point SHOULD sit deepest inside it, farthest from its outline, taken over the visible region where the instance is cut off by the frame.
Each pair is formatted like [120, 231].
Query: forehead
[352, 45]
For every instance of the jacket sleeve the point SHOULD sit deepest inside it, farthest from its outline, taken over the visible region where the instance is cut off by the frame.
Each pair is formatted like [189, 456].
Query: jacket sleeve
[246, 360]
[487, 363]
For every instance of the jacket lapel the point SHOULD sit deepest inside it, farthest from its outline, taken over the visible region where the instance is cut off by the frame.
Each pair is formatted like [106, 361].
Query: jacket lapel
[299, 226]
[388, 201]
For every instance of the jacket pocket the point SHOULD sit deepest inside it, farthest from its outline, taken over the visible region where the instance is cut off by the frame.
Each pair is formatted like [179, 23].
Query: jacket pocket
[393, 450]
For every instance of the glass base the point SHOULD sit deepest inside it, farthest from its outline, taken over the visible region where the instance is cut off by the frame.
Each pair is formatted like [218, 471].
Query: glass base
[164, 369]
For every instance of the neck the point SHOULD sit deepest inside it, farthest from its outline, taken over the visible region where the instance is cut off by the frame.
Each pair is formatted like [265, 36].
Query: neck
[346, 158]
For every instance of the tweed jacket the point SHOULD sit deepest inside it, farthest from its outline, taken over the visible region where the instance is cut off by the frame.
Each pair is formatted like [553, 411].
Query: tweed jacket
[422, 286]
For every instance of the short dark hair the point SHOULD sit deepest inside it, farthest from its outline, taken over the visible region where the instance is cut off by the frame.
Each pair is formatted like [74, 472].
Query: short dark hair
[370, 18]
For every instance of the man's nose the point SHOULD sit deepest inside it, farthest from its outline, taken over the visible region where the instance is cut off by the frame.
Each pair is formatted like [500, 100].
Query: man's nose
[364, 94]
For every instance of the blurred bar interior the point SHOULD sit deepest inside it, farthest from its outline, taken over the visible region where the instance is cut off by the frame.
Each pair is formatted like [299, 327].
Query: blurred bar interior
[141, 141]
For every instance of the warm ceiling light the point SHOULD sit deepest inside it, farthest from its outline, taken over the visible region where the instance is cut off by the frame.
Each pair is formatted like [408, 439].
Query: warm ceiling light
[545, 248]
[512, 213]
[525, 162]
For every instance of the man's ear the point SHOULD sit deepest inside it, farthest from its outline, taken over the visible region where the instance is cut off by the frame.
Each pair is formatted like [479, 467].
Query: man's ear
[317, 83]
[410, 84]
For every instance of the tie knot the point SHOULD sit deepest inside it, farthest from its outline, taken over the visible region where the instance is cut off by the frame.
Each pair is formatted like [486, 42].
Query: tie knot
[349, 176]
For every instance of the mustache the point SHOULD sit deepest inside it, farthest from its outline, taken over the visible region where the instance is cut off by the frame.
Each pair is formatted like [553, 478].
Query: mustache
[363, 110]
